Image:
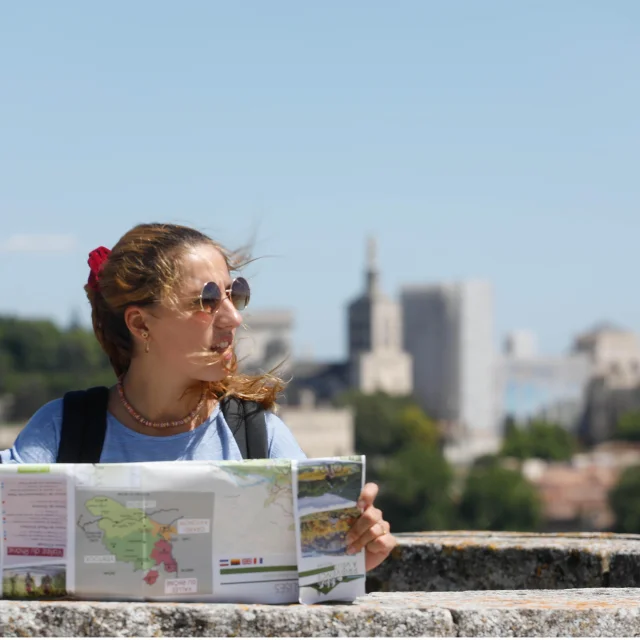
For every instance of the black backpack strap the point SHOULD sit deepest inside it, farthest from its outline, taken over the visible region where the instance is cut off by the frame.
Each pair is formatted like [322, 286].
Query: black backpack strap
[248, 425]
[84, 425]
[257, 440]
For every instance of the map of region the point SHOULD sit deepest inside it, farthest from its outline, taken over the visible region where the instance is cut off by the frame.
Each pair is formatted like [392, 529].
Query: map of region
[258, 497]
[255, 543]
[143, 545]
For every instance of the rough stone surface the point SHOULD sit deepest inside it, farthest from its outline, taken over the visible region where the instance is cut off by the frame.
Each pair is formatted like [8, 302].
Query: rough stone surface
[470, 561]
[435, 584]
[570, 612]
[553, 613]
[369, 617]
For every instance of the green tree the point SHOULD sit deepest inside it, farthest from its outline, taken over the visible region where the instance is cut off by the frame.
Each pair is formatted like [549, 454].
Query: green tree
[416, 427]
[60, 583]
[78, 351]
[401, 443]
[31, 391]
[40, 362]
[415, 490]
[498, 499]
[384, 424]
[31, 345]
[628, 427]
[552, 441]
[539, 439]
[624, 500]
[517, 443]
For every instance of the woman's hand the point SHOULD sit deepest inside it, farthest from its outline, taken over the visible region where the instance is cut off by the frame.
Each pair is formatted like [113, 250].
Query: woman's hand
[370, 531]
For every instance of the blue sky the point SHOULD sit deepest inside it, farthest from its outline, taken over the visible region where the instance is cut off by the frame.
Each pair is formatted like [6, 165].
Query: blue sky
[492, 139]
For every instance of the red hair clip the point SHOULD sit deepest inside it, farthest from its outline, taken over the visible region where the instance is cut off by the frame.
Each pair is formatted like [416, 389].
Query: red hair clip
[96, 261]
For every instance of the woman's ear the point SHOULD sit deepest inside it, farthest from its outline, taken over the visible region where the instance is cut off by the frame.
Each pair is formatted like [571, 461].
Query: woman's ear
[136, 322]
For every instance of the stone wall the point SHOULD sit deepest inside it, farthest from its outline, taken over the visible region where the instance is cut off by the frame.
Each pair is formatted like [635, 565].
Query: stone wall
[481, 584]
[567, 613]
[471, 561]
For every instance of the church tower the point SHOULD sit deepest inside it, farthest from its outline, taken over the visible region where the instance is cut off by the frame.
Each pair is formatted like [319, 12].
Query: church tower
[377, 361]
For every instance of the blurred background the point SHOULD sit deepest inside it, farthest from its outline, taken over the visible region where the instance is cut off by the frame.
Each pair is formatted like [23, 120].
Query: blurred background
[443, 197]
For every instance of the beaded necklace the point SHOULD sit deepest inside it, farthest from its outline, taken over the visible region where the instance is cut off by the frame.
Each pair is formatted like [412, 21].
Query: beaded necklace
[157, 425]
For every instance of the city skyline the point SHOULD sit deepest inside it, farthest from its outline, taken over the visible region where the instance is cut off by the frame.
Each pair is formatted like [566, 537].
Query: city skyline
[495, 141]
[306, 352]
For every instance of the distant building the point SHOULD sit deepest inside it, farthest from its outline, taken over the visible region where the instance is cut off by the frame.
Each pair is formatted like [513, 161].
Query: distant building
[606, 404]
[614, 355]
[520, 345]
[321, 431]
[574, 495]
[531, 386]
[377, 361]
[265, 340]
[449, 332]
[325, 380]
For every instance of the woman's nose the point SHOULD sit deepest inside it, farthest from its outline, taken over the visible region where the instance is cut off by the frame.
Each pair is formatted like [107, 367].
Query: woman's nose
[228, 315]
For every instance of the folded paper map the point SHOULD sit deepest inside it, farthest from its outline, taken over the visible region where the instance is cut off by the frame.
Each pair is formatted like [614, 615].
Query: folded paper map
[259, 531]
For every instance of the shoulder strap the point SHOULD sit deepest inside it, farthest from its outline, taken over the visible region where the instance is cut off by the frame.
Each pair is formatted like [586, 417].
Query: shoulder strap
[256, 421]
[84, 424]
[248, 425]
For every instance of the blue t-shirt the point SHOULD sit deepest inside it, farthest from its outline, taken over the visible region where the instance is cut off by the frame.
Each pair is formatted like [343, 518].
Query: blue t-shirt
[38, 442]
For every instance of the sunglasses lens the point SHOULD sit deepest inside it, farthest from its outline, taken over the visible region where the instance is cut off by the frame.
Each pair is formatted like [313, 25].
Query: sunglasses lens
[240, 293]
[210, 297]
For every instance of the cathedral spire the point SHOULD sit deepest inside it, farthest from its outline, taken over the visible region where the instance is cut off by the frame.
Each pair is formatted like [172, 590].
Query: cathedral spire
[372, 267]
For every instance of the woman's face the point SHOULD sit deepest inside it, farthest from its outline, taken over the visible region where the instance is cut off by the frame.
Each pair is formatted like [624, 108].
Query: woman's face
[189, 341]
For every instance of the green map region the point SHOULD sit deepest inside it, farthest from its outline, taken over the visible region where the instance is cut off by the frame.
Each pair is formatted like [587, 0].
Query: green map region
[132, 535]
[123, 535]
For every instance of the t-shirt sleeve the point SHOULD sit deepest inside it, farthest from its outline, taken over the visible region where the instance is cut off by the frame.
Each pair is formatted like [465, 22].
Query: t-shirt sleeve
[282, 444]
[38, 442]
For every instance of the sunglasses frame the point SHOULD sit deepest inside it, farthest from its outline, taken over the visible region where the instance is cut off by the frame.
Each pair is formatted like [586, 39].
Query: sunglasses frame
[227, 294]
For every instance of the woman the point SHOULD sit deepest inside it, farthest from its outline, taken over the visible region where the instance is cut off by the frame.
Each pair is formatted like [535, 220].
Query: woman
[165, 310]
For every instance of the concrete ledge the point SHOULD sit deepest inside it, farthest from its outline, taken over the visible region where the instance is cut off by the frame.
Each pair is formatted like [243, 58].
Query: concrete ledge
[370, 617]
[472, 560]
[575, 613]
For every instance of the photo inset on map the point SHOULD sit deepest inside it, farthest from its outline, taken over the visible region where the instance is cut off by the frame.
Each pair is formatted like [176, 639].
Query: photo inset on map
[328, 485]
[40, 581]
[137, 545]
[324, 533]
[326, 494]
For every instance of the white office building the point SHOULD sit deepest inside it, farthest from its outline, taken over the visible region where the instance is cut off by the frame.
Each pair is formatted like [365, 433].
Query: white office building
[449, 332]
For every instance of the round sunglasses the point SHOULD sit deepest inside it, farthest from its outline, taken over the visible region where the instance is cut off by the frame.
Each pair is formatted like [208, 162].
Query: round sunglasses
[211, 297]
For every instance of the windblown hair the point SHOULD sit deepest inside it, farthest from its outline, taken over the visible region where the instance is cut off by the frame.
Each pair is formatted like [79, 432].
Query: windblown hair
[143, 269]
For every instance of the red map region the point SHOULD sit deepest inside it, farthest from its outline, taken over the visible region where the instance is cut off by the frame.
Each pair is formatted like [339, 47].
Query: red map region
[151, 577]
[162, 555]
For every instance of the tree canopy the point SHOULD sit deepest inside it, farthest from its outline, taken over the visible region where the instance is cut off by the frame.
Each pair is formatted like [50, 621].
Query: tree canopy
[498, 499]
[624, 500]
[40, 361]
[628, 427]
[538, 439]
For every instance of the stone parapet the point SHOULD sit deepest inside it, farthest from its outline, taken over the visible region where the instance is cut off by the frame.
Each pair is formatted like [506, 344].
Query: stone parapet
[569, 612]
[435, 584]
[472, 560]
